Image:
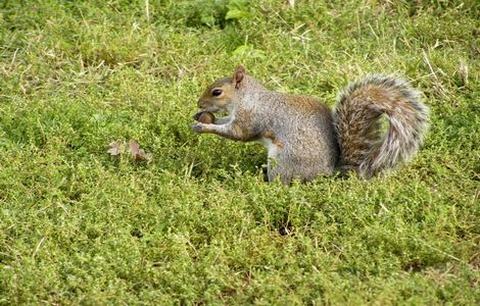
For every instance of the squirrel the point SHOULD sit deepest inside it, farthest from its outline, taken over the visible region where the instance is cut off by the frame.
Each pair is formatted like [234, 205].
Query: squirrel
[305, 138]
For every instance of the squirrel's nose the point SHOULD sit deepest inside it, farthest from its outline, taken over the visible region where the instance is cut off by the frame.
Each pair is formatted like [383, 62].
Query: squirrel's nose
[200, 103]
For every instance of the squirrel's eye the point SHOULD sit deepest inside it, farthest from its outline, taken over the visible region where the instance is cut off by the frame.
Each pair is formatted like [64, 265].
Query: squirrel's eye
[216, 92]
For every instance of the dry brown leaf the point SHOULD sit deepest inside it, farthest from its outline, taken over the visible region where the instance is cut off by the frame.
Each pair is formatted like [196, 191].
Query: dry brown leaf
[115, 148]
[138, 154]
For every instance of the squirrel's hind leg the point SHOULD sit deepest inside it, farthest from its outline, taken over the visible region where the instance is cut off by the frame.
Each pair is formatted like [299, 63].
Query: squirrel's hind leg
[279, 167]
[288, 167]
[275, 171]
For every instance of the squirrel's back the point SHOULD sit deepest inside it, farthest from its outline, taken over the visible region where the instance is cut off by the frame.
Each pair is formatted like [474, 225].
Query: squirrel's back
[365, 147]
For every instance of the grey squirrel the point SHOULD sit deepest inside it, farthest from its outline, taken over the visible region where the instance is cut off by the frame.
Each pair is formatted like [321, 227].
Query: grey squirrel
[304, 138]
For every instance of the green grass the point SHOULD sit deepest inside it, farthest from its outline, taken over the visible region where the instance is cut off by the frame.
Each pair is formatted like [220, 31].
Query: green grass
[197, 224]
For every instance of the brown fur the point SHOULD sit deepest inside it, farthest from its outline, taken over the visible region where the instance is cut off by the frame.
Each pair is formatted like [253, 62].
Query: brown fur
[208, 100]
[358, 111]
[270, 135]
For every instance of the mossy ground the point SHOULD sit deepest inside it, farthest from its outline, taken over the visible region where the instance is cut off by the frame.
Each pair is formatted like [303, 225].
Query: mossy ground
[197, 224]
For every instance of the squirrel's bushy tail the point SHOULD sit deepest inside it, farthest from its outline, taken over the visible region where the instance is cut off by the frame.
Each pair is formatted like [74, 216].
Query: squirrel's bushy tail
[365, 146]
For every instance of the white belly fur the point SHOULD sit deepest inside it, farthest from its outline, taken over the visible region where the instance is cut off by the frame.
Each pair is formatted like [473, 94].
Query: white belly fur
[271, 147]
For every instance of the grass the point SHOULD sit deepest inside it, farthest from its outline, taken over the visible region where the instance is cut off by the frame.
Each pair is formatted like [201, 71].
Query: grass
[197, 224]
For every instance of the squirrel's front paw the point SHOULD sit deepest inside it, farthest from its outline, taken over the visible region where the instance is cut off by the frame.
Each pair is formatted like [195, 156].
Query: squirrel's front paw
[198, 127]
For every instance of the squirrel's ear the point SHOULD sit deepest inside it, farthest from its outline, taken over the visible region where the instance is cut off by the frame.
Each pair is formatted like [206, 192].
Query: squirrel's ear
[238, 75]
